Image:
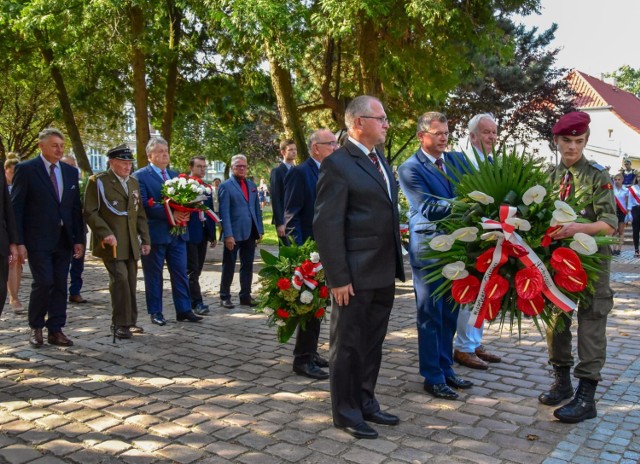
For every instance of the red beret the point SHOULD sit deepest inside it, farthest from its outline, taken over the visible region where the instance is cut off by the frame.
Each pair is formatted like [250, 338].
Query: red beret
[574, 123]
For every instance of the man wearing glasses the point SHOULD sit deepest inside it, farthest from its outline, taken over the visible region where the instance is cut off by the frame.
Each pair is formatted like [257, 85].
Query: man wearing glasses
[423, 182]
[299, 201]
[241, 219]
[356, 226]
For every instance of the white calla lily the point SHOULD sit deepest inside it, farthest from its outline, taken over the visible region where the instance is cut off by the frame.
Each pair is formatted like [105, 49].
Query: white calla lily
[583, 244]
[481, 197]
[441, 243]
[455, 271]
[466, 234]
[535, 194]
[492, 235]
[518, 223]
[563, 214]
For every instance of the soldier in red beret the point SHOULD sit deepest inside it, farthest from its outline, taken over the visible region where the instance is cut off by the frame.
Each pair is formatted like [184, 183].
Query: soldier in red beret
[577, 176]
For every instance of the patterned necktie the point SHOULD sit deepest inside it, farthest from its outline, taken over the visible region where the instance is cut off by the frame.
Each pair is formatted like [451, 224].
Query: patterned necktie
[374, 159]
[439, 164]
[565, 186]
[164, 175]
[54, 180]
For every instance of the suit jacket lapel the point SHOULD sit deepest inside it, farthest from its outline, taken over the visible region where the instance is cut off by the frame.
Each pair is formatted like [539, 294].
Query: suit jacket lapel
[434, 172]
[117, 184]
[313, 167]
[237, 185]
[367, 166]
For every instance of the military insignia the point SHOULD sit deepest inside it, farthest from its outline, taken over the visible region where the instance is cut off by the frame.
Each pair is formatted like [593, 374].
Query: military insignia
[114, 202]
[573, 132]
[136, 198]
[607, 187]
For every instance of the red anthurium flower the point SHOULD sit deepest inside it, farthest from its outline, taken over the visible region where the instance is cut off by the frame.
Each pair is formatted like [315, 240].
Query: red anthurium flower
[575, 282]
[284, 284]
[484, 260]
[529, 282]
[282, 313]
[491, 309]
[307, 267]
[465, 290]
[496, 288]
[531, 306]
[565, 260]
[547, 239]
[516, 251]
[323, 292]
[319, 313]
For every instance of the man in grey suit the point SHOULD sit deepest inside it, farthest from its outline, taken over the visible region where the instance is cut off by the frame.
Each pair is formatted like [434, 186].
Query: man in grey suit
[357, 230]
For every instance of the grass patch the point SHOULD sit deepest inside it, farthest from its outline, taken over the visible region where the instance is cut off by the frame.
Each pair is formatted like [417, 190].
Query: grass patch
[270, 236]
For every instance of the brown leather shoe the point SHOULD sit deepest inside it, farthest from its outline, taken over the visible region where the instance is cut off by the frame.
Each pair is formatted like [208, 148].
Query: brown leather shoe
[35, 339]
[469, 360]
[59, 339]
[483, 354]
[76, 299]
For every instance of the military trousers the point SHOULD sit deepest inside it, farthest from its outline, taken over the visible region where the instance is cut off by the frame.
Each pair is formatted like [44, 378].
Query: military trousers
[591, 333]
[123, 274]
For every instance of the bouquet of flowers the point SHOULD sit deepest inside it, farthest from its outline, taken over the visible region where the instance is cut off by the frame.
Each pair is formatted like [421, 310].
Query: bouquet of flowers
[496, 249]
[186, 194]
[293, 288]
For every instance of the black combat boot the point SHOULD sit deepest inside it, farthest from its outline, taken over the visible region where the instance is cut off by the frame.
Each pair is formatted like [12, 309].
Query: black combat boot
[561, 389]
[582, 406]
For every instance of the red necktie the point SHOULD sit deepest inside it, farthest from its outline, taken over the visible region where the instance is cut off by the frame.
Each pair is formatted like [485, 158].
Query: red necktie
[54, 180]
[565, 186]
[374, 159]
[245, 190]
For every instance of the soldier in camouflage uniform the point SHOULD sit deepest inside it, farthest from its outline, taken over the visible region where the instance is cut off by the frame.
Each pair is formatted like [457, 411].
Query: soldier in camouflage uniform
[113, 210]
[576, 174]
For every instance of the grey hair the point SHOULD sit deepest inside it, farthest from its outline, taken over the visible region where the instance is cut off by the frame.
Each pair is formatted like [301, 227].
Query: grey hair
[475, 121]
[236, 158]
[153, 141]
[48, 132]
[424, 121]
[313, 138]
[356, 107]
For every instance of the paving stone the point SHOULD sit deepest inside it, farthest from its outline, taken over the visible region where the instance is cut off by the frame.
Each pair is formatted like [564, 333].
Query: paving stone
[18, 454]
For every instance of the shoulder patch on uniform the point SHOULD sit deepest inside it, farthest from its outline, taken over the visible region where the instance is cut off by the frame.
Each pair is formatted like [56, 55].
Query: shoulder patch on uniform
[599, 167]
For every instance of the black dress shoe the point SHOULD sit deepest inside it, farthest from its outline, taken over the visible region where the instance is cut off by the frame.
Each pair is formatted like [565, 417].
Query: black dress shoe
[382, 418]
[158, 319]
[441, 390]
[227, 304]
[310, 370]
[360, 431]
[250, 302]
[319, 361]
[188, 316]
[457, 382]
[122, 332]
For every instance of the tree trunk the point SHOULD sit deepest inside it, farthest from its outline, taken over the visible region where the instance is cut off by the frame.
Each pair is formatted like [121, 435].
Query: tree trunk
[67, 112]
[368, 48]
[143, 133]
[332, 101]
[175, 34]
[281, 82]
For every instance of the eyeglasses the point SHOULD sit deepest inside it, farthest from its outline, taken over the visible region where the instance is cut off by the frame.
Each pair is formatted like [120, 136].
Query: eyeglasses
[438, 134]
[381, 119]
[239, 166]
[333, 144]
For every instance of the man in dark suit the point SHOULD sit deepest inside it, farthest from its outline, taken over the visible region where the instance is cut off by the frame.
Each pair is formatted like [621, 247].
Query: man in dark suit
[8, 238]
[356, 227]
[202, 231]
[164, 246]
[46, 202]
[289, 152]
[423, 182]
[241, 228]
[113, 210]
[299, 201]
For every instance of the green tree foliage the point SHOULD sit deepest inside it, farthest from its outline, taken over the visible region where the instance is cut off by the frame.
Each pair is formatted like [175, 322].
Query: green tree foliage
[524, 91]
[627, 78]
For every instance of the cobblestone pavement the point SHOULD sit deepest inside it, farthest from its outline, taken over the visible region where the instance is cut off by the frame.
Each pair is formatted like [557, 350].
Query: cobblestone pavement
[223, 391]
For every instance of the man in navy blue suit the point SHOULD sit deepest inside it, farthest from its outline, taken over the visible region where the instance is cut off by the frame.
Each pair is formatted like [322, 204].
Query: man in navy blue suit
[241, 228]
[164, 246]
[299, 201]
[289, 151]
[202, 231]
[423, 182]
[46, 202]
